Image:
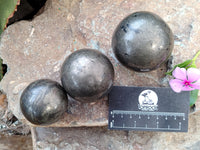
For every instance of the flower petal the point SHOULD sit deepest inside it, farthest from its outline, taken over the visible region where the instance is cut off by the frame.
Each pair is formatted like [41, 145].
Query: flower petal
[187, 88]
[179, 73]
[196, 85]
[193, 74]
[176, 85]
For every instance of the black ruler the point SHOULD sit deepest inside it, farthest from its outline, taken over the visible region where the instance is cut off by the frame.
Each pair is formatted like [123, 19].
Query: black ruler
[148, 109]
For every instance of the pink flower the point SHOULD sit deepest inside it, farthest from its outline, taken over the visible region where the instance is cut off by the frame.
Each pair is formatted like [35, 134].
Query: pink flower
[185, 80]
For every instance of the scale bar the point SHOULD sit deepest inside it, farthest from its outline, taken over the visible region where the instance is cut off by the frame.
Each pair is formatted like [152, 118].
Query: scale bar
[147, 113]
[145, 128]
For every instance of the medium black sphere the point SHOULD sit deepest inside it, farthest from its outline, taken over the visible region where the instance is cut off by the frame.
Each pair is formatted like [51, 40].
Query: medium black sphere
[142, 41]
[43, 102]
[87, 75]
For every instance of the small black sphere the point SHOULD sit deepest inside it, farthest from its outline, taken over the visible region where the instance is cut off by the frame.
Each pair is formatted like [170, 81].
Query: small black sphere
[87, 75]
[142, 41]
[43, 102]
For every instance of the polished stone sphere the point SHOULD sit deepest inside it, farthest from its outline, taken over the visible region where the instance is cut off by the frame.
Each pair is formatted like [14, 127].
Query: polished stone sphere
[142, 41]
[43, 102]
[87, 75]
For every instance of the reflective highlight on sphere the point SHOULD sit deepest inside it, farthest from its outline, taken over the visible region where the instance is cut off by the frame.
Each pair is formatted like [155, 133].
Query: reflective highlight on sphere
[43, 102]
[142, 41]
[87, 75]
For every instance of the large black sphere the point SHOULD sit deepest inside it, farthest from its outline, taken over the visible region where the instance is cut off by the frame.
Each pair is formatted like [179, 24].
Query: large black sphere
[43, 102]
[142, 41]
[87, 75]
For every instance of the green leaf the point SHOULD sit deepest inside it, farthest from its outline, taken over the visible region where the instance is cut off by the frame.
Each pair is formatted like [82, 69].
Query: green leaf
[193, 96]
[185, 64]
[7, 8]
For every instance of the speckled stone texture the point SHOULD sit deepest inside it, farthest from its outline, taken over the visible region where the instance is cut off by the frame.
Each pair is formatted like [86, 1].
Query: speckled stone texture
[103, 139]
[36, 49]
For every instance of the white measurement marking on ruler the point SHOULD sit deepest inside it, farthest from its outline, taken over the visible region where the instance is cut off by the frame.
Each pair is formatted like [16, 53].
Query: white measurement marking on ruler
[111, 124]
[180, 125]
[142, 128]
[112, 114]
[149, 113]
[141, 113]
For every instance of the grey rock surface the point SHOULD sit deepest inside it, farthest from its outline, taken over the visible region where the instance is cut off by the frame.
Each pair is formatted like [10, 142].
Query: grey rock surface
[36, 49]
[15, 142]
[100, 138]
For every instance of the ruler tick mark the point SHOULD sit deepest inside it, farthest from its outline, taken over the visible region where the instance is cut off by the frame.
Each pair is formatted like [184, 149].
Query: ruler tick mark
[180, 125]
[112, 114]
[111, 124]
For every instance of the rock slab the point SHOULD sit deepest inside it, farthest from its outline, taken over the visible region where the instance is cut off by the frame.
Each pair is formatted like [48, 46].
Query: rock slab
[36, 49]
[100, 138]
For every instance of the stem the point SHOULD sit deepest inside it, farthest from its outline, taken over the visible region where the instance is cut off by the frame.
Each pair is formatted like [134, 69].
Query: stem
[195, 57]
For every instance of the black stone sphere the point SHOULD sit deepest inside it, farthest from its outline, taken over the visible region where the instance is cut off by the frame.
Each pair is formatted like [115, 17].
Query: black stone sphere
[142, 41]
[87, 75]
[43, 102]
